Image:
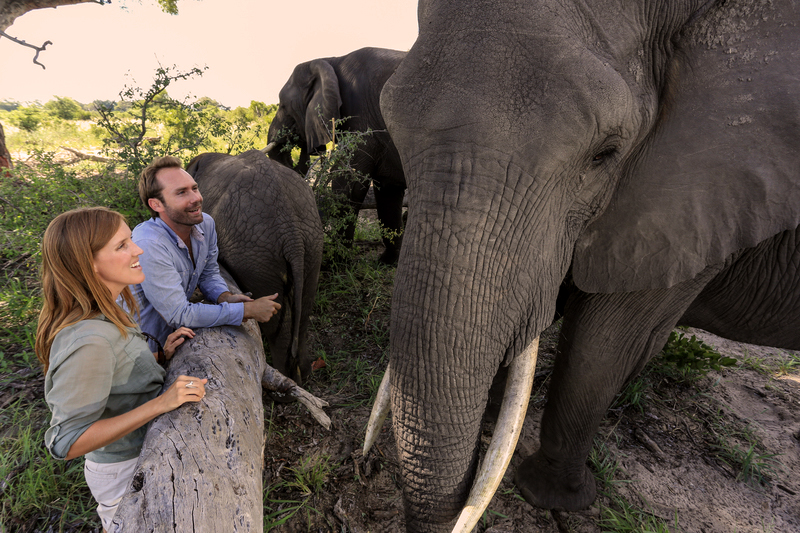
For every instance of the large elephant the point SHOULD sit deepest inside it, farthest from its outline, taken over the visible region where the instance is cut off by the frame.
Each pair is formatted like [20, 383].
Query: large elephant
[650, 145]
[270, 240]
[339, 87]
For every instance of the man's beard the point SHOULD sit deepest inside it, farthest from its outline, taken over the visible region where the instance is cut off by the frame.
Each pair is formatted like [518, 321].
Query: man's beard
[183, 217]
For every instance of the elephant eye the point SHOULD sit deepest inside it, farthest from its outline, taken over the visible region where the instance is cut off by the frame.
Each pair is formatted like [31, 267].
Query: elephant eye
[603, 155]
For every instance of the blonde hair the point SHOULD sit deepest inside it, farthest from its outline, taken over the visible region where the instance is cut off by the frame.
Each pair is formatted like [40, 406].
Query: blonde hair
[71, 289]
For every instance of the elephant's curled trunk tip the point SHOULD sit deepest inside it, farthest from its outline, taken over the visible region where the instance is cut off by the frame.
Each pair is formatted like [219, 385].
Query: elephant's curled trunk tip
[504, 439]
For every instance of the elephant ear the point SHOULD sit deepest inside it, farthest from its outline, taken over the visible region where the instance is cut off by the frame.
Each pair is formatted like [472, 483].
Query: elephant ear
[200, 162]
[323, 104]
[719, 172]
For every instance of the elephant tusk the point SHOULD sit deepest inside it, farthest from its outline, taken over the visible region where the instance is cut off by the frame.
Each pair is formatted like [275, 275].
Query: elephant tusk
[379, 411]
[504, 440]
[269, 147]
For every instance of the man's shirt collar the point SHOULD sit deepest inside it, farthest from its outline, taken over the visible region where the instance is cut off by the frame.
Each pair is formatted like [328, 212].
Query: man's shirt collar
[197, 233]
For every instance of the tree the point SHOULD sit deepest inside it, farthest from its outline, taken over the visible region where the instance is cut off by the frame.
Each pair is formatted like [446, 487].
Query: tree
[66, 108]
[11, 9]
[187, 130]
[27, 118]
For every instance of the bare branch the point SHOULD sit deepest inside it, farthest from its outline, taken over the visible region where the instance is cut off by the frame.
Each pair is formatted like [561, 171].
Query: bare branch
[23, 43]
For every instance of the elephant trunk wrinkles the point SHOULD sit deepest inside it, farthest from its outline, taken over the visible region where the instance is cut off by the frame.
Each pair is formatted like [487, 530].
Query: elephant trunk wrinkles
[459, 284]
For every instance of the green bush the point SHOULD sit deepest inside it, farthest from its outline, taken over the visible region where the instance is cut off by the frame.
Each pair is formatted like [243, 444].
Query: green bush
[692, 356]
[66, 109]
[334, 165]
[34, 193]
[27, 118]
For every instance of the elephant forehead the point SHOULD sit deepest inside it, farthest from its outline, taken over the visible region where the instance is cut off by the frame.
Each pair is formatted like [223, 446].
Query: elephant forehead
[549, 95]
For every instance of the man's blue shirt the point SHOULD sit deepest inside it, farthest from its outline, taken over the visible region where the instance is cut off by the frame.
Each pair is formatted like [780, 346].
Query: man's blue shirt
[171, 278]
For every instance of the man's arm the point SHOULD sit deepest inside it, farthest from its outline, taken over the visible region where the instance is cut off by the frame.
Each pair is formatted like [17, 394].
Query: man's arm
[210, 281]
[163, 287]
[261, 309]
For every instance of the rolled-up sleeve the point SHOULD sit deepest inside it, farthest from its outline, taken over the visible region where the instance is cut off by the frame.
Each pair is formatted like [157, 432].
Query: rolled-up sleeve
[164, 290]
[76, 390]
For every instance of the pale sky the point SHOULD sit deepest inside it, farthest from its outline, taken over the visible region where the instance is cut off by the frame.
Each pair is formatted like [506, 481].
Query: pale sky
[250, 46]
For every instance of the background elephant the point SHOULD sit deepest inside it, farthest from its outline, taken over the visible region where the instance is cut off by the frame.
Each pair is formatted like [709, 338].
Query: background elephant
[270, 240]
[650, 145]
[338, 87]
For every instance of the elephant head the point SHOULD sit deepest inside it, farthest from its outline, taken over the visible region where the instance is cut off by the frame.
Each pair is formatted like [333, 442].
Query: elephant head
[638, 141]
[309, 101]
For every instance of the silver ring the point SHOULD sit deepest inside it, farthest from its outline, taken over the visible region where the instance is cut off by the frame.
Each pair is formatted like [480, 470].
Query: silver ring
[190, 385]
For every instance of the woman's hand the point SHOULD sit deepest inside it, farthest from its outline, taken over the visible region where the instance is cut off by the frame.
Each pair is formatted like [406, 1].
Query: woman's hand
[184, 389]
[175, 339]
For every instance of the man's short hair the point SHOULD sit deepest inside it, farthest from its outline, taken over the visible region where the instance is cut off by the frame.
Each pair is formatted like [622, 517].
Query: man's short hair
[149, 187]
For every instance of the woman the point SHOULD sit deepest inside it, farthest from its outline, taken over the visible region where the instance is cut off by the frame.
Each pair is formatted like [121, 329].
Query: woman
[101, 379]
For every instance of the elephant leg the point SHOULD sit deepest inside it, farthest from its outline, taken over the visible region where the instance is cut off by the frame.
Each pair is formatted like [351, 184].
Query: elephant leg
[606, 339]
[389, 201]
[755, 297]
[354, 191]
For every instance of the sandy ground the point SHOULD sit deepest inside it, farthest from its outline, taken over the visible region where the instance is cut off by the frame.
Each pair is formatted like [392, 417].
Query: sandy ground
[667, 464]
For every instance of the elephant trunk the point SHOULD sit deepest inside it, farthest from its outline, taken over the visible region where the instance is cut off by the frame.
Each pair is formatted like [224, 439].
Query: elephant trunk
[275, 151]
[504, 441]
[464, 305]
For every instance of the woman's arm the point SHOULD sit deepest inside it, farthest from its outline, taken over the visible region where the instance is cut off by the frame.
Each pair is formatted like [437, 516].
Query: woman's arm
[104, 432]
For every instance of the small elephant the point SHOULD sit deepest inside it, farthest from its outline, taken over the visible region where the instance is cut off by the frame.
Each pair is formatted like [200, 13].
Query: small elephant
[651, 146]
[270, 240]
[346, 87]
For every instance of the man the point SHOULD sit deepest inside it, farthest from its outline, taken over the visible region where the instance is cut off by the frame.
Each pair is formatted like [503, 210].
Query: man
[180, 254]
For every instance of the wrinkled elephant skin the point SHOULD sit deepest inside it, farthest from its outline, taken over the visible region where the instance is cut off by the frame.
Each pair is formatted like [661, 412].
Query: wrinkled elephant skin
[270, 240]
[347, 87]
[650, 147]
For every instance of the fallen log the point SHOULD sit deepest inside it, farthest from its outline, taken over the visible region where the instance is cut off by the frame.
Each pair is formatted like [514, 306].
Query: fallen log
[80, 156]
[200, 468]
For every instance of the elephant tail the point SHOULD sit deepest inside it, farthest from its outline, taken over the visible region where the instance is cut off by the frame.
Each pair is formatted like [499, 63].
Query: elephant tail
[301, 301]
[297, 314]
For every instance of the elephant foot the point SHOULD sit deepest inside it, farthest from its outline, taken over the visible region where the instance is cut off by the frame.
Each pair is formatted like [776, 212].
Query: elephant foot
[545, 486]
[389, 256]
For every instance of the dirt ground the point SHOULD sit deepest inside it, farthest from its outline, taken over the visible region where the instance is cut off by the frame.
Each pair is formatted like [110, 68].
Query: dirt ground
[667, 464]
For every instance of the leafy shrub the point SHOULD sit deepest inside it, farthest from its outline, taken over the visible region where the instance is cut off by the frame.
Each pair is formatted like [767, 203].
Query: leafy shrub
[693, 356]
[66, 109]
[33, 194]
[334, 166]
[27, 118]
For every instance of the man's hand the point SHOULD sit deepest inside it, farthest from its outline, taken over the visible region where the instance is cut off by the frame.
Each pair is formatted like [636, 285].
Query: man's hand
[261, 309]
[175, 339]
[233, 298]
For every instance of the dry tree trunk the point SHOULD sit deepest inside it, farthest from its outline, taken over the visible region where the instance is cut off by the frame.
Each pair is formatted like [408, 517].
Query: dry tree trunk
[5, 157]
[80, 156]
[200, 468]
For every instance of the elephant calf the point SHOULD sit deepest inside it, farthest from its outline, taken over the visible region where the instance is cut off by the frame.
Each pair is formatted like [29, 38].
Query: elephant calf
[270, 240]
